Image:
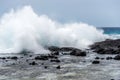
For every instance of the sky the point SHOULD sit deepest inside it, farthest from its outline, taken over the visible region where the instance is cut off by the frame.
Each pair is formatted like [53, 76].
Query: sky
[99, 13]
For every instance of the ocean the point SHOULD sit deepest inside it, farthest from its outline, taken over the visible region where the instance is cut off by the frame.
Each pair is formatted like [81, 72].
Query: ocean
[111, 30]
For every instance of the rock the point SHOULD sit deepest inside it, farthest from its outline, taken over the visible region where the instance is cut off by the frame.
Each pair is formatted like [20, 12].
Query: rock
[119, 46]
[55, 53]
[58, 67]
[42, 63]
[42, 57]
[8, 57]
[13, 63]
[78, 52]
[52, 56]
[102, 58]
[107, 47]
[95, 62]
[67, 49]
[53, 48]
[117, 57]
[30, 55]
[109, 58]
[45, 67]
[27, 60]
[105, 51]
[106, 44]
[3, 58]
[97, 58]
[21, 57]
[14, 57]
[55, 60]
[33, 63]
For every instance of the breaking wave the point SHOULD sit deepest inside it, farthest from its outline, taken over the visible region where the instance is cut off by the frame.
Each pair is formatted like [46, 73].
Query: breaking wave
[24, 29]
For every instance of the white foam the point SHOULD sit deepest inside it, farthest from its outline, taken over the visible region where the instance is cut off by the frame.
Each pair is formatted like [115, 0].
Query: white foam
[24, 29]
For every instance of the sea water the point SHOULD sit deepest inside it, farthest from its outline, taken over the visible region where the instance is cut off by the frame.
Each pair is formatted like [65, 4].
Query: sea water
[111, 30]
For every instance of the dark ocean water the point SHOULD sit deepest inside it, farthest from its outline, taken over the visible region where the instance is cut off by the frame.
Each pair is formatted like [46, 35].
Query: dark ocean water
[111, 30]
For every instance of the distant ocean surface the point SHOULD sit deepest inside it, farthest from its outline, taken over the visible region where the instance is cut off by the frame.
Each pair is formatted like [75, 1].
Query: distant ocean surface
[111, 30]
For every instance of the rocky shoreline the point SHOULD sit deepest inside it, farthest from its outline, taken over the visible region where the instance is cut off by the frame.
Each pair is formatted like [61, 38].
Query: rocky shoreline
[55, 61]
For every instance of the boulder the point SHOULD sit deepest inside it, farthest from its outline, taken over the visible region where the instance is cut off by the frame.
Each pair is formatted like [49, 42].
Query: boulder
[106, 47]
[78, 52]
[42, 57]
[96, 62]
[117, 57]
[58, 67]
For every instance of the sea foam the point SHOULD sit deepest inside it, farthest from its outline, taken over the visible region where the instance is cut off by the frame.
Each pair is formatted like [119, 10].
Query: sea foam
[24, 29]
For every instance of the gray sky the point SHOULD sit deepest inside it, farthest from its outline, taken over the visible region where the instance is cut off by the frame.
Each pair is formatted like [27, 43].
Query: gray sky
[100, 13]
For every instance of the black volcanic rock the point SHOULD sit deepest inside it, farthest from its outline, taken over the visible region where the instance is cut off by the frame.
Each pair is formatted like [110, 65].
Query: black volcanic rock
[58, 67]
[33, 63]
[51, 56]
[117, 57]
[55, 53]
[78, 52]
[45, 67]
[67, 48]
[96, 62]
[3, 58]
[97, 58]
[14, 57]
[53, 48]
[55, 60]
[42, 57]
[107, 47]
[109, 58]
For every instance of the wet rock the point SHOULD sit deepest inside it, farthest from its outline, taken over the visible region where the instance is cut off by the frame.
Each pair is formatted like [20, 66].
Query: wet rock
[84, 61]
[55, 53]
[106, 44]
[67, 49]
[13, 63]
[117, 57]
[58, 67]
[21, 57]
[107, 47]
[33, 63]
[6, 60]
[53, 48]
[42, 57]
[109, 58]
[119, 46]
[95, 62]
[52, 56]
[27, 60]
[105, 51]
[14, 57]
[30, 55]
[97, 58]
[78, 52]
[45, 67]
[42, 63]
[8, 57]
[102, 58]
[3, 58]
[55, 60]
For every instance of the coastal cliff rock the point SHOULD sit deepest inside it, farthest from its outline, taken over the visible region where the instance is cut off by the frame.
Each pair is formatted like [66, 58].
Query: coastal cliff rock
[107, 47]
[71, 51]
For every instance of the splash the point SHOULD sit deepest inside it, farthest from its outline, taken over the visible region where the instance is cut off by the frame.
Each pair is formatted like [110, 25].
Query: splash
[24, 29]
